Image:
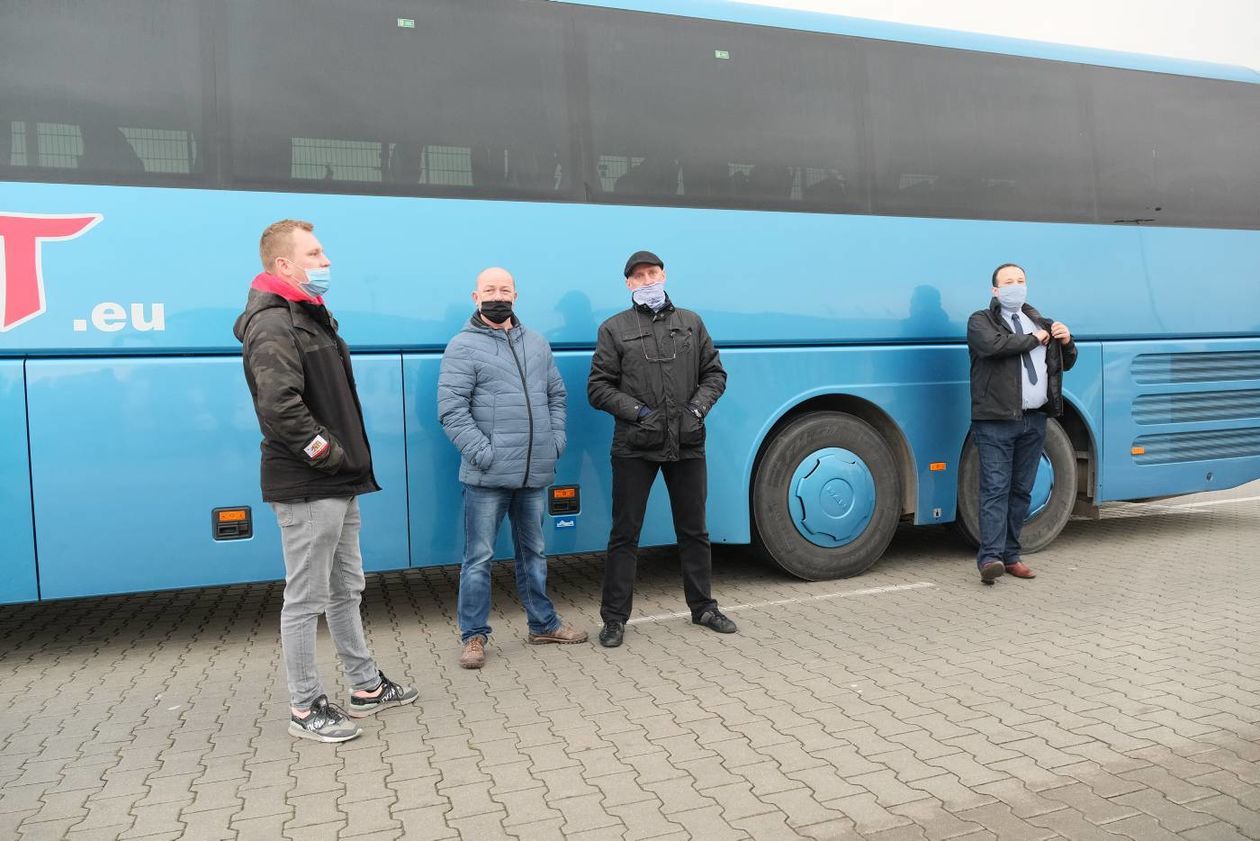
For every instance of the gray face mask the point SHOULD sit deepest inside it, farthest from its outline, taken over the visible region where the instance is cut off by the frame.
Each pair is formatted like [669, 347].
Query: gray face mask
[1012, 297]
[652, 295]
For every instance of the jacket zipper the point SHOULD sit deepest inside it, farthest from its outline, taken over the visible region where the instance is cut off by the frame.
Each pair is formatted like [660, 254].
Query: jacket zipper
[529, 410]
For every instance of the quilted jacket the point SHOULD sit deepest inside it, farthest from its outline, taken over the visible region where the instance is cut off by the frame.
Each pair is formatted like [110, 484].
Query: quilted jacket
[501, 402]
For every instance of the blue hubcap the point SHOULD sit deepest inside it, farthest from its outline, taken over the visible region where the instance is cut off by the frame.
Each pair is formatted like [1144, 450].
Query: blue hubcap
[1043, 485]
[831, 497]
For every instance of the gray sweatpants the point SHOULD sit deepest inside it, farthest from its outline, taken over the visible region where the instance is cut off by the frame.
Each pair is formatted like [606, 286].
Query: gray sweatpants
[323, 575]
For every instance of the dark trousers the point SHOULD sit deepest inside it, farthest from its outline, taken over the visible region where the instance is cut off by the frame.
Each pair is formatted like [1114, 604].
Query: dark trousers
[687, 482]
[1010, 452]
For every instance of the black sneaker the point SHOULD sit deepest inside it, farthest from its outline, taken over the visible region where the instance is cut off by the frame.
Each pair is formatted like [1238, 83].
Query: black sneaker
[715, 621]
[391, 695]
[326, 723]
[613, 634]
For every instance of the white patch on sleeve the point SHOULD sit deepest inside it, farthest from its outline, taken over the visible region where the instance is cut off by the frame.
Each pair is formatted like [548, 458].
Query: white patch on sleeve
[316, 447]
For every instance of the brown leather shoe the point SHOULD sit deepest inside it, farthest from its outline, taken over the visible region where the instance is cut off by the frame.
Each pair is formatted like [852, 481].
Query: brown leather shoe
[1019, 569]
[474, 654]
[991, 570]
[566, 634]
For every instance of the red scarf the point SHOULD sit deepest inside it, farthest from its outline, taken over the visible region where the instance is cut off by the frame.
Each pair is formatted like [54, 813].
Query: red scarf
[270, 283]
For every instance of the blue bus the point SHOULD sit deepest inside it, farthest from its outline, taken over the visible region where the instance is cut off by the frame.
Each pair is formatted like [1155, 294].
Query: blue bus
[830, 194]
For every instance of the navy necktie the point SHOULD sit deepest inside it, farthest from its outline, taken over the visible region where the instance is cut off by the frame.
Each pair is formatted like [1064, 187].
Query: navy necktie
[1027, 357]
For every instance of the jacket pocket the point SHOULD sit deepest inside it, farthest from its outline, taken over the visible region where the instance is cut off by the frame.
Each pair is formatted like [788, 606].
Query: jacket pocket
[683, 339]
[484, 458]
[691, 433]
[647, 433]
[337, 459]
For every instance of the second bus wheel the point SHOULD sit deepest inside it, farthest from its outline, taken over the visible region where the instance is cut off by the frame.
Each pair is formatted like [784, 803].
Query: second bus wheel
[826, 496]
[1053, 493]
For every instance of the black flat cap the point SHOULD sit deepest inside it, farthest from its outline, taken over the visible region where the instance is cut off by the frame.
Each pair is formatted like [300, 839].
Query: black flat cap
[642, 257]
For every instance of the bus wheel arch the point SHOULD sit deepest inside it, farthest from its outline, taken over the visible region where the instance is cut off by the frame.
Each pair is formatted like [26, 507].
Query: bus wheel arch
[829, 485]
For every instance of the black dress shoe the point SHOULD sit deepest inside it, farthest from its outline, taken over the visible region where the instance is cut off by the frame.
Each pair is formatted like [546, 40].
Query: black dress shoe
[612, 635]
[715, 621]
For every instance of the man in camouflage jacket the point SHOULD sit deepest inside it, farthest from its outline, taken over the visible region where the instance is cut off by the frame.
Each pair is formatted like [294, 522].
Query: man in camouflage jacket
[315, 462]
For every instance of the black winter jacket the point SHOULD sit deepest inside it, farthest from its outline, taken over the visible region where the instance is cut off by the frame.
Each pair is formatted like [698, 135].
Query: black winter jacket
[997, 380]
[661, 360]
[298, 371]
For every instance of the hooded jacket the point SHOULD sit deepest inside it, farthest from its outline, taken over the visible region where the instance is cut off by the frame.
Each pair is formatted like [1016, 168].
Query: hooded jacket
[298, 371]
[664, 361]
[997, 380]
[501, 401]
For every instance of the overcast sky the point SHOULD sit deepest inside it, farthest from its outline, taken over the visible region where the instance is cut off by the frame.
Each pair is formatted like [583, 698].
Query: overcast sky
[1226, 31]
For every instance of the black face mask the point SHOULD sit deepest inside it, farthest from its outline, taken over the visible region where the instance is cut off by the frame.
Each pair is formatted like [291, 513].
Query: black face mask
[496, 312]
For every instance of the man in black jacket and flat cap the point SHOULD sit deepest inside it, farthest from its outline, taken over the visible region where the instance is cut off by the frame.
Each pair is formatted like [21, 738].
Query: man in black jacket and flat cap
[656, 371]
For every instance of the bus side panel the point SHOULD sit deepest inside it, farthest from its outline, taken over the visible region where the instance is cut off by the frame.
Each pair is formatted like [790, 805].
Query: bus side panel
[1181, 417]
[17, 540]
[436, 494]
[1083, 391]
[922, 389]
[130, 456]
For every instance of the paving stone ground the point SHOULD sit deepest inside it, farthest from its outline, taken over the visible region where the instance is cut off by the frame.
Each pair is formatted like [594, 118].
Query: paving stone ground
[1115, 696]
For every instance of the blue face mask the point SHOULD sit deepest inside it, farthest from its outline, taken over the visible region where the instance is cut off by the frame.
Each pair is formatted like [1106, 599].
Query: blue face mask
[652, 295]
[317, 281]
[1012, 297]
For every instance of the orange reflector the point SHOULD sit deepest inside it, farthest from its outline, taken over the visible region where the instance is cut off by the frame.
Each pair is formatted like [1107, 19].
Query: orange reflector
[1138, 451]
[234, 515]
[563, 493]
[936, 466]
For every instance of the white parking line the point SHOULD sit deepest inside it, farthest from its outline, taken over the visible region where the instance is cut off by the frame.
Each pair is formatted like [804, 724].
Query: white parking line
[1130, 510]
[844, 594]
[1211, 502]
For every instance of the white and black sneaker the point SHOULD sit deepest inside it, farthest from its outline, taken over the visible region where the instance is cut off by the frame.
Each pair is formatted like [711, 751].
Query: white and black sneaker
[390, 695]
[325, 723]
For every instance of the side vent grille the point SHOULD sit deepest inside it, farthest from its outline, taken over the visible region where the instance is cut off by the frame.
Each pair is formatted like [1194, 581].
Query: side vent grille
[1198, 446]
[1196, 408]
[1196, 367]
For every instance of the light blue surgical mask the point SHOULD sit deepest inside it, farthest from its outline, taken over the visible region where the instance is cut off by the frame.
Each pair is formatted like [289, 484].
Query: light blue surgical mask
[1012, 297]
[652, 295]
[317, 281]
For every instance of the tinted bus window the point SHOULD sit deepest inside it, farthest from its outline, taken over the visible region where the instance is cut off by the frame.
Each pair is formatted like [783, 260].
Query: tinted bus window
[101, 92]
[1174, 150]
[976, 135]
[694, 112]
[457, 98]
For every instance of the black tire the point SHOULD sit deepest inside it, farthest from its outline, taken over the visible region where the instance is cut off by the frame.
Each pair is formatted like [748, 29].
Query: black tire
[776, 533]
[1040, 530]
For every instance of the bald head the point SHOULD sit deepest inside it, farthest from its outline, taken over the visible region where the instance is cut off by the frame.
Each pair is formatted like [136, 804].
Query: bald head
[494, 279]
[495, 284]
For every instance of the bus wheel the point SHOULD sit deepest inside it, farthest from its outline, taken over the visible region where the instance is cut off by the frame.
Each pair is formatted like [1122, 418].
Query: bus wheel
[826, 497]
[1053, 493]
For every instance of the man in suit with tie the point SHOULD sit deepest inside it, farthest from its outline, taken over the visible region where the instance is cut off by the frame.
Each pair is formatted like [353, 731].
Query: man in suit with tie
[1017, 362]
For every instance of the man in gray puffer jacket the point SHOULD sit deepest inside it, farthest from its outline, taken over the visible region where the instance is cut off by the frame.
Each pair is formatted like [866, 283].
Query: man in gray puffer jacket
[501, 402]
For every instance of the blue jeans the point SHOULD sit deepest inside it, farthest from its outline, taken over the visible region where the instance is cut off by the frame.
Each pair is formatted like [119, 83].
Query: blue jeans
[1010, 452]
[483, 514]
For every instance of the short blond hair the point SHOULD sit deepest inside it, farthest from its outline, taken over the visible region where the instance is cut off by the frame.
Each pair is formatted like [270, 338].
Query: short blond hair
[277, 240]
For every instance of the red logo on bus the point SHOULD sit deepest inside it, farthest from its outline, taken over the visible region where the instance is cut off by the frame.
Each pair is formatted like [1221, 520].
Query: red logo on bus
[22, 235]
